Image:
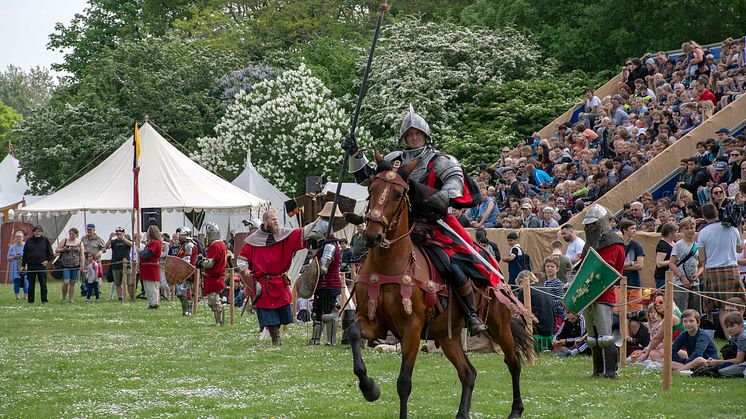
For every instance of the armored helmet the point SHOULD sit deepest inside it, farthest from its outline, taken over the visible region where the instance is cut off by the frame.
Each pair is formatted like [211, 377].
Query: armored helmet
[413, 120]
[184, 232]
[212, 231]
[595, 213]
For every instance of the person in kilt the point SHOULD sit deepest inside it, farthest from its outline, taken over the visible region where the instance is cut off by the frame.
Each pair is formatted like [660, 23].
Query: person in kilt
[718, 248]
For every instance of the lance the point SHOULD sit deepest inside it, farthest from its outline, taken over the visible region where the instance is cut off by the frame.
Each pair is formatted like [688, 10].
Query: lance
[353, 123]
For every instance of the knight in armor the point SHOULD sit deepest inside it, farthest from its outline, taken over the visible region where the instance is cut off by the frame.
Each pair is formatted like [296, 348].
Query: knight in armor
[214, 267]
[442, 173]
[329, 287]
[265, 258]
[598, 315]
[188, 251]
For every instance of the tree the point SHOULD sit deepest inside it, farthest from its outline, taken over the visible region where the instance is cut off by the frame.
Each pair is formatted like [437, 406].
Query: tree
[291, 125]
[104, 24]
[598, 35]
[25, 91]
[168, 81]
[503, 115]
[439, 68]
[8, 120]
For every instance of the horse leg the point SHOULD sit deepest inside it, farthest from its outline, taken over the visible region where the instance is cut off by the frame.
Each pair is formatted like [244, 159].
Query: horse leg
[467, 374]
[499, 320]
[409, 348]
[370, 389]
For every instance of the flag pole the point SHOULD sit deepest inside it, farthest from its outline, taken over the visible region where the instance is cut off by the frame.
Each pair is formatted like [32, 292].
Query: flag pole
[135, 207]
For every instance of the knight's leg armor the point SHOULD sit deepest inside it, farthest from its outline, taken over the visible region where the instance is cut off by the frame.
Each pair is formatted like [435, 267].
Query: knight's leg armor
[330, 322]
[317, 330]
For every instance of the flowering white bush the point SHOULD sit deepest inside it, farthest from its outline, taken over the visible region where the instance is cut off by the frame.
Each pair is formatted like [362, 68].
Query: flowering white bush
[291, 125]
[438, 67]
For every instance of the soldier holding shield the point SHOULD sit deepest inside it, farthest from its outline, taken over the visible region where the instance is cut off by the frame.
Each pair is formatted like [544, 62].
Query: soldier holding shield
[598, 315]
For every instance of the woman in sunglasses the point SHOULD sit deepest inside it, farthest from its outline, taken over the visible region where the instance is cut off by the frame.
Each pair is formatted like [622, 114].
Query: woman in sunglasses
[660, 312]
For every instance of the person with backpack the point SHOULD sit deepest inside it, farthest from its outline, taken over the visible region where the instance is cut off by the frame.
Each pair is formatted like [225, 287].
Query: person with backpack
[518, 260]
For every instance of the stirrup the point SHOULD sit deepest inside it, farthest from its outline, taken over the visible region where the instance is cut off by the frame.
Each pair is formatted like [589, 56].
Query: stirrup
[475, 325]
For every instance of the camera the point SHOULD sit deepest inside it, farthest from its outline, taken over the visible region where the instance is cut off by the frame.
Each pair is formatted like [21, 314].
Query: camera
[733, 215]
[640, 315]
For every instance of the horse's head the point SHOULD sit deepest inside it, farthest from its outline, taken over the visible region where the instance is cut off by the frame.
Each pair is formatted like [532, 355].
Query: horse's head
[388, 199]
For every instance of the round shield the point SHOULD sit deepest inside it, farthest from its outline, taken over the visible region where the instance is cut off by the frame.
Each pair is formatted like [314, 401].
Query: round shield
[177, 270]
[308, 279]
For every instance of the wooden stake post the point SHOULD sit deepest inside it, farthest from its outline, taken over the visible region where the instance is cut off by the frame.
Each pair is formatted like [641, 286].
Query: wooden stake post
[231, 299]
[527, 304]
[668, 332]
[195, 294]
[623, 323]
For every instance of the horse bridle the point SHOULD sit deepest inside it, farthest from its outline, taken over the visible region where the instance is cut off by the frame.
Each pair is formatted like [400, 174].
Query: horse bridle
[375, 215]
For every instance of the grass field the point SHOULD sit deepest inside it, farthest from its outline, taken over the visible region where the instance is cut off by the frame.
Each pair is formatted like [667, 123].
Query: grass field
[114, 359]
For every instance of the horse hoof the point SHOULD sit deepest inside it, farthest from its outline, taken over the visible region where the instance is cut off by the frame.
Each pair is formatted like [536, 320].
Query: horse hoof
[373, 393]
[515, 414]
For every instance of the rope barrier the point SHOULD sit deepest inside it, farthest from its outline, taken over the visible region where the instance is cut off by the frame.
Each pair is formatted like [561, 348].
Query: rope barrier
[710, 298]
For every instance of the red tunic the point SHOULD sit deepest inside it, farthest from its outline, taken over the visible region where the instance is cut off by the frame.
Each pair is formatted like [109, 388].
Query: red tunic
[269, 263]
[614, 256]
[331, 279]
[149, 268]
[215, 276]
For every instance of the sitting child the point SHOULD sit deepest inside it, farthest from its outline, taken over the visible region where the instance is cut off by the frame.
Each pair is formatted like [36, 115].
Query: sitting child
[653, 351]
[570, 339]
[698, 345]
[555, 287]
[733, 367]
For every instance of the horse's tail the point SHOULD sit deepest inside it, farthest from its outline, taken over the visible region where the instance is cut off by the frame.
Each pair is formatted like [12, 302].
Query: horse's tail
[524, 341]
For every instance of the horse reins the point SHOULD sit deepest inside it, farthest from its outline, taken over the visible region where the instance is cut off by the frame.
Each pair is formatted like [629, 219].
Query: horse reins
[375, 215]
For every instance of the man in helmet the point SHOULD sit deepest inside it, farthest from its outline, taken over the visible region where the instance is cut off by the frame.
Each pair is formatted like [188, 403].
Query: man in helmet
[214, 266]
[267, 255]
[444, 174]
[329, 287]
[598, 315]
[188, 251]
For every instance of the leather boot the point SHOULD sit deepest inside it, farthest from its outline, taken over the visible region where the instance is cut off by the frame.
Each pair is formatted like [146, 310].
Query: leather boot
[474, 324]
[274, 332]
[598, 361]
[316, 336]
[611, 357]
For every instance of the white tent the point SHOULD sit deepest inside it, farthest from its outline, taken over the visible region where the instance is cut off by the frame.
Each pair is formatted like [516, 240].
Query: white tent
[9, 181]
[168, 180]
[252, 182]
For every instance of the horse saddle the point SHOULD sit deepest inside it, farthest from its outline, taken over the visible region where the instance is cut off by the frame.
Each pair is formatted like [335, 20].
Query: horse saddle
[411, 277]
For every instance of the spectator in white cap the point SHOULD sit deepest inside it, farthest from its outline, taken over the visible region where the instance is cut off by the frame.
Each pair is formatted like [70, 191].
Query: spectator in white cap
[530, 220]
[547, 219]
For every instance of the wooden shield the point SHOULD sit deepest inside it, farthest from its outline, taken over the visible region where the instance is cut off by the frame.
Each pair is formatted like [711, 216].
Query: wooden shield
[178, 270]
[308, 279]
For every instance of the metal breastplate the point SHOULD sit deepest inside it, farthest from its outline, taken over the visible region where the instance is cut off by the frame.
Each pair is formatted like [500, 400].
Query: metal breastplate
[406, 156]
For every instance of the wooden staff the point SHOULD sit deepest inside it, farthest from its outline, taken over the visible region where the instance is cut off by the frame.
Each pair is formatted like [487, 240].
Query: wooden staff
[195, 294]
[527, 304]
[231, 299]
[125, 280]
[668, 332]
[623, 325]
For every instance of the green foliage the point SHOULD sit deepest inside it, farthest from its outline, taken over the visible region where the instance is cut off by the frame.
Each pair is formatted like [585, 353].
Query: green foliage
[503, 115]
[105, 24]
[114, 359]
[25, 91]
[8, 120]
[439, 68]
[595, 35]
[168, 81]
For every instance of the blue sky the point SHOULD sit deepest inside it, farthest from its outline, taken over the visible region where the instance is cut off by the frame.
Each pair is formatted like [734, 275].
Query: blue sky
[25, 26]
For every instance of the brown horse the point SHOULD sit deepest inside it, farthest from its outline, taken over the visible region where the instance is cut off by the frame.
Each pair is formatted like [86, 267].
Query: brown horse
[392, 255]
